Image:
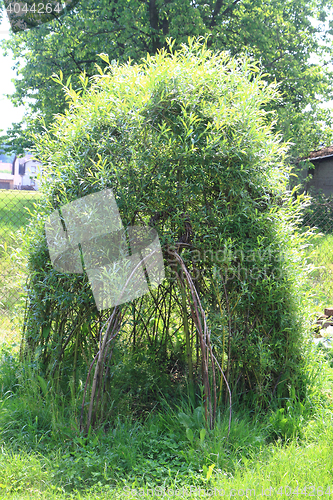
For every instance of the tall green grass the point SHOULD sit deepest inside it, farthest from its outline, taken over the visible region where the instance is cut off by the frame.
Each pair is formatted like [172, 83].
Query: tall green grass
[146, 457]
[43, 454]
[320, 255]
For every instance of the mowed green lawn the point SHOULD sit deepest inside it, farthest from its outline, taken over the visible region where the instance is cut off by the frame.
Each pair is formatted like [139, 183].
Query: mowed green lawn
[15, 212]
[320, 255]
[14, 209]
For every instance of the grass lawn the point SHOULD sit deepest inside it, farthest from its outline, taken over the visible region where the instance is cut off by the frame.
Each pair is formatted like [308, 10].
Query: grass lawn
[155, 459]
[320, 254]
[14, 215]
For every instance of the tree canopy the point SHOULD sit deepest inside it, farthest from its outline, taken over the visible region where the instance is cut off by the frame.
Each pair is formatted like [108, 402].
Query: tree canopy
[280, 34]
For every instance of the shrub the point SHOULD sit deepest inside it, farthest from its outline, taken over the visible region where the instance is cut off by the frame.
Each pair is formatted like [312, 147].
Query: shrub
[185, 143]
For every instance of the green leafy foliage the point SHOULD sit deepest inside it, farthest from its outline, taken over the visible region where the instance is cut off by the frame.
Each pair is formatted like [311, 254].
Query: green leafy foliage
[287, 422]
[185, 144]
[281, 34]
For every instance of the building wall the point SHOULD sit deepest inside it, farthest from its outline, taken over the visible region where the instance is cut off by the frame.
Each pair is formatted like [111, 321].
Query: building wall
[22, 176]
[6, 177]
[17, 177]
[32, 169]
[322, 176]
[6, 184]
[6, 181]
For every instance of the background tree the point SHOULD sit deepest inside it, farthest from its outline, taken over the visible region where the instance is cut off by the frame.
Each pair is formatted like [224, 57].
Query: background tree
[281, 34]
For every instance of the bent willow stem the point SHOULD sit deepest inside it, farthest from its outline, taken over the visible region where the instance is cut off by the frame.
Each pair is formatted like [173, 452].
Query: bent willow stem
[206, 349]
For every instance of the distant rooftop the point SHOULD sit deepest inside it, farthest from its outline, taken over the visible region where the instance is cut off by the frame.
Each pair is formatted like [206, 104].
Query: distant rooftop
[321, 153]
[25, 158]
[6, 157]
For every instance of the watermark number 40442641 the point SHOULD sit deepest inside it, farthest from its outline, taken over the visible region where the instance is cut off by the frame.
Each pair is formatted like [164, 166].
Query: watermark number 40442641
[29, 14]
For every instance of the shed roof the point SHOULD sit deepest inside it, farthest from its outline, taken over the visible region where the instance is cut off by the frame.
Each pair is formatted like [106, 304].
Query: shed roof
[321, 153]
